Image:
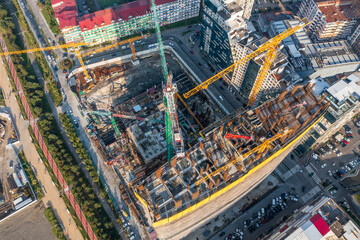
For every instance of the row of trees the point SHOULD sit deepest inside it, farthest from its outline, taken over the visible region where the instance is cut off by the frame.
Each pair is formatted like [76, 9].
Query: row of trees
[31, 176]
[56, 228]
[31, 87]
[40, 59]
[48, 13]
[81, 188]
[75, 140]
[83, 155]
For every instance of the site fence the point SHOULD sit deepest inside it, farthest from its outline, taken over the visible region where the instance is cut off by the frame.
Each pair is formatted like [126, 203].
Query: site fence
[48, 156]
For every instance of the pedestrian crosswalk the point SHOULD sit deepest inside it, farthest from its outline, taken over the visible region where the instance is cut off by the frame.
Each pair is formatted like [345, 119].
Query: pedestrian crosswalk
[314, 176]
[310, 194]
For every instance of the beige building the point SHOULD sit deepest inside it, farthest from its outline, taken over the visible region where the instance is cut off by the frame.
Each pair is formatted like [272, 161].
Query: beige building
[331, 20]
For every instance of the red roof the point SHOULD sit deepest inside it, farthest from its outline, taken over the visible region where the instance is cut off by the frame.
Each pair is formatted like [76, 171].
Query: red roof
[66, 13]
[104, 17]
[320, 224]
[53, 2]
[67, 19]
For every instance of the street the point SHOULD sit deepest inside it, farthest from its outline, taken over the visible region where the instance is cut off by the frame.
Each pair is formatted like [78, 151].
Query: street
[56, 116]
[52, 195]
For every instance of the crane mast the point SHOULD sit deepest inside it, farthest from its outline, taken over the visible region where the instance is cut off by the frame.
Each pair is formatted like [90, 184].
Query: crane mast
[173, 135]
[269, 46]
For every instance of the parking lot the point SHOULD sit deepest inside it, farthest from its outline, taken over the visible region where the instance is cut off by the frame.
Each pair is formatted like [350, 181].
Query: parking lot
[270, 211]
[336, 158]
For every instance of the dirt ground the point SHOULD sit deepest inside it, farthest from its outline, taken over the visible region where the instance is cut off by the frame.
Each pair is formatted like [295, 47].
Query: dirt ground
[5, 157]
[135, 80]
[29, 224]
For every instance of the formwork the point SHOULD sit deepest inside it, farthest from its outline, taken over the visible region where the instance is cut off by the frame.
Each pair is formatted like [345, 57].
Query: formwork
[178, 198]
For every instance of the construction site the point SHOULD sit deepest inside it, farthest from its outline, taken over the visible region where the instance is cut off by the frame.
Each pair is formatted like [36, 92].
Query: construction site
[187, 192]
[185, 161]
[15, 191]
[125, 111]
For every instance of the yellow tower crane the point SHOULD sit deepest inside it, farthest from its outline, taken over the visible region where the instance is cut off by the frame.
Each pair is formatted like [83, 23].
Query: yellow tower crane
[270, 46]
[87, 76]
[130, 41]
[70, 45]
[260, 150]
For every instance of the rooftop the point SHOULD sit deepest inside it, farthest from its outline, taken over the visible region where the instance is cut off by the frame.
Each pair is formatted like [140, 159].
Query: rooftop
[120, 13]
[337, 10]
[66, 13]
[330, 53]
[322, 219]
[346, 88]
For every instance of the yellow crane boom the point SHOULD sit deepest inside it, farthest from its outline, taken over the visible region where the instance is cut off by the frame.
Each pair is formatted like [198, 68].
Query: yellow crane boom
[270, 56]
[259, 149]
[115, 45]
[87, 76]
[270, 43]
[187, 107]
[70, 45]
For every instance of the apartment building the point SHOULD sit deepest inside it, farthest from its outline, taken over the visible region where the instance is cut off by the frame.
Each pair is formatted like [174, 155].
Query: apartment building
[354, 40]
[331, 20]
[123, 20]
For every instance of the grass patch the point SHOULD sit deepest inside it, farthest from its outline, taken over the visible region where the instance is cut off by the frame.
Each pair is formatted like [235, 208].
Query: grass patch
[21, 106]
[2, 99]
[56, 228]
[81, 188]
[67, 64]
[353, 217]
[48, 13]
[31, 176]
[92, 6]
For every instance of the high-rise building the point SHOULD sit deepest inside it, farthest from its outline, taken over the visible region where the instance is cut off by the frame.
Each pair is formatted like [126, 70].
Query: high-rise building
[331, 20]
[227, 37]
[355, 40]
[221, 21]
[123, 20]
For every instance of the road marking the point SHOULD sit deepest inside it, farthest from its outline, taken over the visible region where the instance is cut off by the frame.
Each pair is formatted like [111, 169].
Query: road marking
[314, 176]
[314, 167]
[310, 194]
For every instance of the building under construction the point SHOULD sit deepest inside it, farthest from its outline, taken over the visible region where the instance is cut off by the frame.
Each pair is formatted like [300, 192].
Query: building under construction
[238, 152]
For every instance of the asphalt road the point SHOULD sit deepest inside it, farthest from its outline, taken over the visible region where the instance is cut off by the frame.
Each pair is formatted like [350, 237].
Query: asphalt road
[333, 162]
[52, 195]
[290, 185]
[33, 26]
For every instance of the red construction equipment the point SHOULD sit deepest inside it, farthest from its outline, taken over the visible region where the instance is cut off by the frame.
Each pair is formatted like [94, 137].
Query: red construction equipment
[232, 136]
